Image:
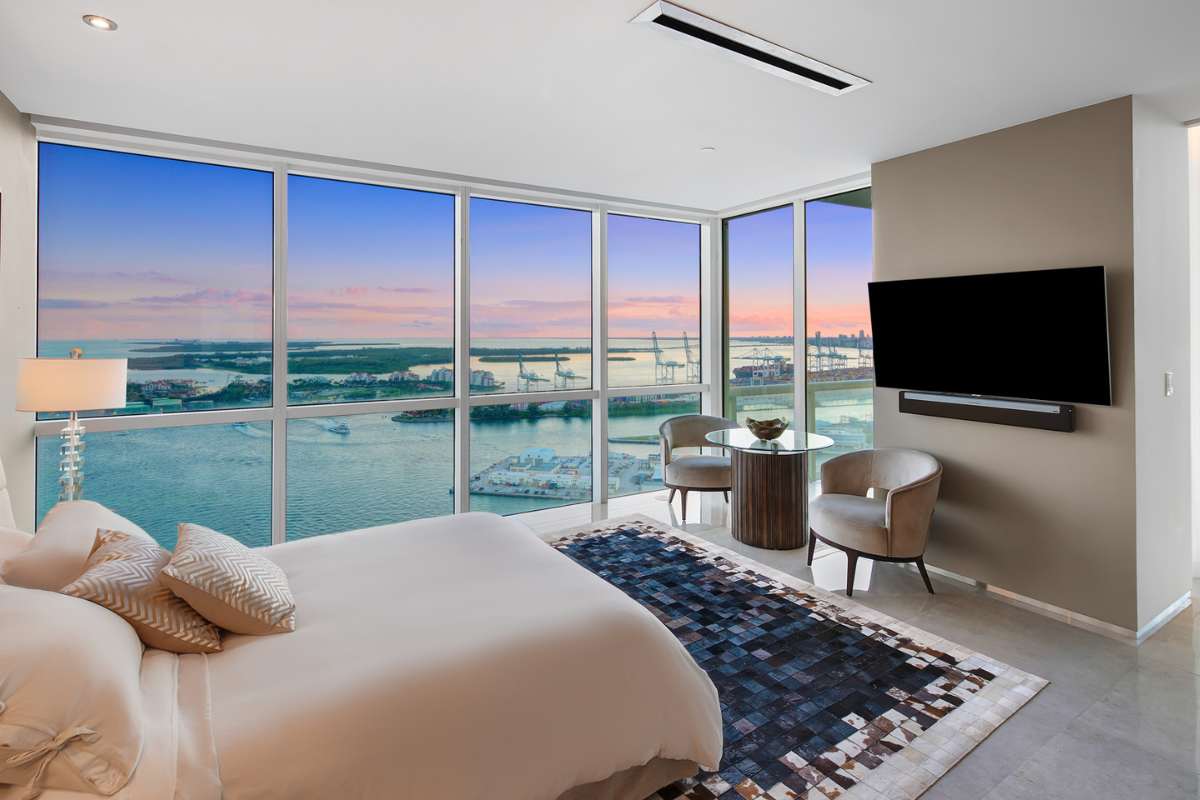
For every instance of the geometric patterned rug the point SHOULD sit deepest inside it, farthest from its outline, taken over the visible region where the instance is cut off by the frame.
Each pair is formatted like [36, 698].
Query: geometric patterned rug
[821, 697]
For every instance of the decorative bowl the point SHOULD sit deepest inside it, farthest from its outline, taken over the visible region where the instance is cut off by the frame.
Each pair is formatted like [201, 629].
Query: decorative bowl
[767, 429]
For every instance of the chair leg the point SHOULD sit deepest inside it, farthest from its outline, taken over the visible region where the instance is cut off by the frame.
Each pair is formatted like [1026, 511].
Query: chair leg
[812, 547]
[671, 496]
[683, 503]
[851, 564]
[726, 495]
[924, 574]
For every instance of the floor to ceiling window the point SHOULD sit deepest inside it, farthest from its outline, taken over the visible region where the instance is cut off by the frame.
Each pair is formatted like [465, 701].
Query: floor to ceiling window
[760, 345]
[531, 331]
[288, 394]
[837, 350]
[167, 263]
[838, 344]
[653, 341]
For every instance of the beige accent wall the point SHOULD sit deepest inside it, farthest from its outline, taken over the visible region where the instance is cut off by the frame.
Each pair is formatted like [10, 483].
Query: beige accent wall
[18, 288]
[1052, 516]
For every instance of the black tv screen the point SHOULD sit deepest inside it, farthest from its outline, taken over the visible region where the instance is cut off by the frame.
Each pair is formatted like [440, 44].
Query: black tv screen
[1038, 335]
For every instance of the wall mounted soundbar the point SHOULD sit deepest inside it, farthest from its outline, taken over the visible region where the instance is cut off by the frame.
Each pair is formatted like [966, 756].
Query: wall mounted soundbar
[1021, 413]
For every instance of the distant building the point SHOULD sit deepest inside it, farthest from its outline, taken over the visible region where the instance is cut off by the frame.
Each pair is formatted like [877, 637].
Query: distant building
[482, 379]
[442, 375]
[359, 377]
[403, 376]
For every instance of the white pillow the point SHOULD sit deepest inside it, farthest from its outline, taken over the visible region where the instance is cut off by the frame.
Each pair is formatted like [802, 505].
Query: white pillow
[12, 541]
[70, 701]
[56, 555]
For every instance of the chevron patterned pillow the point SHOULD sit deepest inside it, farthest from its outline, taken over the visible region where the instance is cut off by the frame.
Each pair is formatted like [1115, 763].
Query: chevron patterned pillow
[231, 585]
[122, 574]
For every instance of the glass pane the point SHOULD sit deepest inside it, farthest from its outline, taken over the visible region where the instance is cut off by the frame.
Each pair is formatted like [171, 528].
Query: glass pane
[839, 348]
[653, 301]
[345, 473]
[218, 476]
[370, 292]
[164, 262]
[531, 297]
[526, 456]
[760, 348]
[634, 456]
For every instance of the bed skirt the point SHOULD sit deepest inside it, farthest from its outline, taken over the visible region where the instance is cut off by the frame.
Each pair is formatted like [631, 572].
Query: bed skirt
[635, 783]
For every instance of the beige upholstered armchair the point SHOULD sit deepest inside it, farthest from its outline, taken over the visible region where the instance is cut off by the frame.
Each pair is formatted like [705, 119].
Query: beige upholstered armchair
[891, 528]
[693, 473]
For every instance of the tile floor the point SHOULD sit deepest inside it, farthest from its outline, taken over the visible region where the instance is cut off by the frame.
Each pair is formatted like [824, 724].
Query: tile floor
[1115, 722]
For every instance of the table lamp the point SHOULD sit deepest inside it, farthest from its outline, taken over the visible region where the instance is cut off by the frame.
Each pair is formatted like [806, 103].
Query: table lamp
[71, 384]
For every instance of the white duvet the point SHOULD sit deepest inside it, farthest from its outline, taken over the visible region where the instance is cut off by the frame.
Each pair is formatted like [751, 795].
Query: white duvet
[456, 658]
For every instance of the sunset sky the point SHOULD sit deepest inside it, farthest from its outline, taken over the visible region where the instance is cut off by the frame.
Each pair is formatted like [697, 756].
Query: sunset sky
[133, 247]
[838, 239]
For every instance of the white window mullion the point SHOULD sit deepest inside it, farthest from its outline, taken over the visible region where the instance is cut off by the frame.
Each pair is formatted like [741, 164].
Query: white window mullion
[799, 318]
[462, 352]
[712, 360]
[600, 356]
[279, 365]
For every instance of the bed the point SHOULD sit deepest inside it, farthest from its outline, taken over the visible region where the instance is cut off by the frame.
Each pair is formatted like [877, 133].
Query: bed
[458, 657]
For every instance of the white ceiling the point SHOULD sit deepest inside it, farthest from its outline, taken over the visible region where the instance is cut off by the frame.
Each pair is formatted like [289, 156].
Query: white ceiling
[566, 94]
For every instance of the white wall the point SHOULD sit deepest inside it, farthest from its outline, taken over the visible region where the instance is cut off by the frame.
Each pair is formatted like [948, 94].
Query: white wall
[1194, 227]
[1162, 335]
[18, 290]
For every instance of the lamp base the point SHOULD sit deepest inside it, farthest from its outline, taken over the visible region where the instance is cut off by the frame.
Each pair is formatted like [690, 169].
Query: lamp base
[70, 465]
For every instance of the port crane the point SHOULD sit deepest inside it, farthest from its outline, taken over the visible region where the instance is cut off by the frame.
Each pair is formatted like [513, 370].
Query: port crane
[563, 378]
[693, 362]
[527, 377]
[664, 370]
[828, 357]
[766, 367]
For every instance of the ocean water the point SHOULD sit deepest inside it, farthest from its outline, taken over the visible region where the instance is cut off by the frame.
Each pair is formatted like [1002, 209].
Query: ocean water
[381, 472]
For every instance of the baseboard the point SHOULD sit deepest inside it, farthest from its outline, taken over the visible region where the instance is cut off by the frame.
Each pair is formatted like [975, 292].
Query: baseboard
[1073, 618]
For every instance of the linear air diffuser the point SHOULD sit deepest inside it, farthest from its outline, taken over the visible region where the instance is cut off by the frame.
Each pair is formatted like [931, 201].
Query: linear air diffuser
[750, 49]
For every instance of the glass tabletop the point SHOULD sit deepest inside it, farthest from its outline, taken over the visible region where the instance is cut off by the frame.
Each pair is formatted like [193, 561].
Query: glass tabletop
[789, 442]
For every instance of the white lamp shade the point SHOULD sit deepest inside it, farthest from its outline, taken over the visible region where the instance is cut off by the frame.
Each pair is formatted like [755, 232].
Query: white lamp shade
[71, 384]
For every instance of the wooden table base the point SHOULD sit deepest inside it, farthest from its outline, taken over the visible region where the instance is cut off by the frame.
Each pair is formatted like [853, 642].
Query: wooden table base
[768, 505]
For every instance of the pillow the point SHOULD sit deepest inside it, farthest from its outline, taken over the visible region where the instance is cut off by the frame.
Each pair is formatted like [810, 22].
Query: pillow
[70, 699]
[229, 584]
[122, 576]
[58, 551]
[12, 542]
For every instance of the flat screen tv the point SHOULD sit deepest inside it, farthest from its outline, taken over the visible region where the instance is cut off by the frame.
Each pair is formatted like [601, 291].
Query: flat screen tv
[1037, 335]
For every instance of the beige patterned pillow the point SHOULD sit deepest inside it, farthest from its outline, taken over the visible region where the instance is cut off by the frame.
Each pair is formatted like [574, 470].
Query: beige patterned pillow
[230, 584]
[122, 575]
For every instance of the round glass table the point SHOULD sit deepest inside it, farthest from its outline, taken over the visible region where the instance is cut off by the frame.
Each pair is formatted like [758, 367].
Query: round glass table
[769, 507]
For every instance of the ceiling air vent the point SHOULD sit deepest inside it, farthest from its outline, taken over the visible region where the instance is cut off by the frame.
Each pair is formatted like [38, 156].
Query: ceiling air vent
[750, 49]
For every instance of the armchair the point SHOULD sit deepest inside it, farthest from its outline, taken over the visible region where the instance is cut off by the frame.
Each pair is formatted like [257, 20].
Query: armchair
[895, 528]
[695, 473]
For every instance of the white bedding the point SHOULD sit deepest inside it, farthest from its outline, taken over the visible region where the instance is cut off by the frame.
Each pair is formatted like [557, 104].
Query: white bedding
[457, 658]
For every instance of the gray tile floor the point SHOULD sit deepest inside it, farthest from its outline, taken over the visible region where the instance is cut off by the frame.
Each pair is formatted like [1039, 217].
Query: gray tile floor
[1115, 722]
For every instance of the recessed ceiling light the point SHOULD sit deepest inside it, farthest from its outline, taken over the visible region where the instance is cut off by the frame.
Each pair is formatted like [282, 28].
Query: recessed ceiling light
[99, 23]
[708, 148]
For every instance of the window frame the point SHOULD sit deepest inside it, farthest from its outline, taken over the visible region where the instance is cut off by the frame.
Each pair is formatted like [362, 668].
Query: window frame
[798, 201]
[282, 165]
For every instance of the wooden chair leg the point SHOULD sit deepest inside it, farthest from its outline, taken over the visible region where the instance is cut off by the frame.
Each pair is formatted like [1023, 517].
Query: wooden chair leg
[812, 547]
[851, 564]
[924, 574]
[726, 495]
[671, 496]
[683, 503]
